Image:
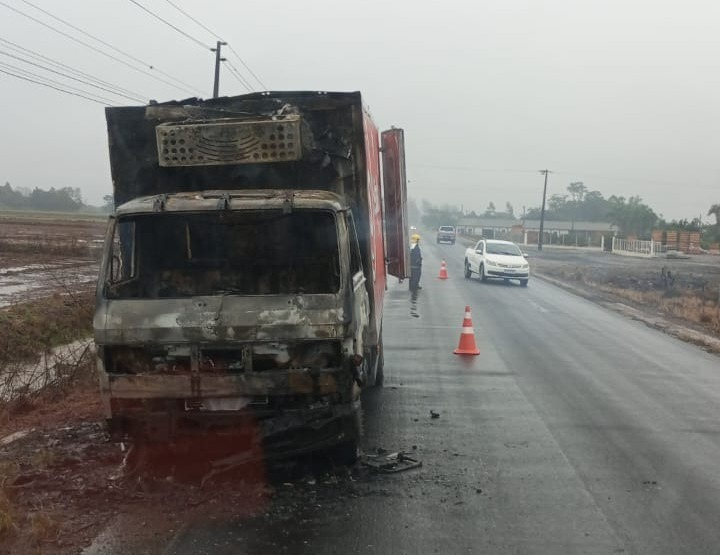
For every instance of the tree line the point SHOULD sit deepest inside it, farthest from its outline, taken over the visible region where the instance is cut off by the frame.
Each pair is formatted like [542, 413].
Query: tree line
[630, 215]
[65, 199]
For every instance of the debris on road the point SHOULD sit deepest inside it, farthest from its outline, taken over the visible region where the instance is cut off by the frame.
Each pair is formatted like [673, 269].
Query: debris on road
[434, 414]
[390, 463]
[8, 439]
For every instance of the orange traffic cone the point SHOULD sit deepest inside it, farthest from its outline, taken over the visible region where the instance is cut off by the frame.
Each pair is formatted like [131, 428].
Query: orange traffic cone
[467, 346]
[443, 271]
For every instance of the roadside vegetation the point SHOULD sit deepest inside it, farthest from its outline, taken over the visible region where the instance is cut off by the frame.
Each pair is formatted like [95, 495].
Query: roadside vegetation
[44, 349]
[47, 381]
[692, 298]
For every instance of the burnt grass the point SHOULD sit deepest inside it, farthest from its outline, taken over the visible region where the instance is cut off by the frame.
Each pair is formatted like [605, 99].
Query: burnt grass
[35, 326]
[685, 290]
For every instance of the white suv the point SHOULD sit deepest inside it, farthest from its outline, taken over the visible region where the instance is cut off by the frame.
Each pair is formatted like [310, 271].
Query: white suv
[497, 259]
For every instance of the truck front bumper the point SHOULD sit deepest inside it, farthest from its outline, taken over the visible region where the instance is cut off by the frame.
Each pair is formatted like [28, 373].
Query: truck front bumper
[291, 410]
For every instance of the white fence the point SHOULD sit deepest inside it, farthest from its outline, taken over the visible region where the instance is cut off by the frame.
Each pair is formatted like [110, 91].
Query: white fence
[635, 247]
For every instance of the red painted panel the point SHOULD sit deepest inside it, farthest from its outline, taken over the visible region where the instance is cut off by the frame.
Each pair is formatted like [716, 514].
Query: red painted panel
[395, 187]
[377, 241]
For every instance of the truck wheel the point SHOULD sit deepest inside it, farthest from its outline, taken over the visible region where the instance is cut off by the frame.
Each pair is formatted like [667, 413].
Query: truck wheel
[468, 271]
[483, 277]
[524, 282]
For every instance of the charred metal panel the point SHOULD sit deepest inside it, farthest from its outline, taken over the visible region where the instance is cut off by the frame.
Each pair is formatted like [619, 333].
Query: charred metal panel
[396, 220]
[227, 319]
[229, 142]
[330, 131]
[288, 382]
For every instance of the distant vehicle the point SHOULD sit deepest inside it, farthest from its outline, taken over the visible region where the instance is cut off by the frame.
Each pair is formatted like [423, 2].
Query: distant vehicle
[497, 259]
[446, 233]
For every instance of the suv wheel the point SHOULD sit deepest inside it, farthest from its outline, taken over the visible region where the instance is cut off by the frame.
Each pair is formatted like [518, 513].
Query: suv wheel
[483, 277]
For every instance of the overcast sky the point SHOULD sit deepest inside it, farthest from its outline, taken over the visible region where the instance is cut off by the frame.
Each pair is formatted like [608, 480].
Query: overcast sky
[623, 95]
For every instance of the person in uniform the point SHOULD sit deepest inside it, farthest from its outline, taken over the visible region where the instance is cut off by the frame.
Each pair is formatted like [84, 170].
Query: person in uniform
[415, 263]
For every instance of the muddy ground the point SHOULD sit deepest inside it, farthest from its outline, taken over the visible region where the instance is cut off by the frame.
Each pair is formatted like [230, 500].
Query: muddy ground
[63, 482]
[43, 254]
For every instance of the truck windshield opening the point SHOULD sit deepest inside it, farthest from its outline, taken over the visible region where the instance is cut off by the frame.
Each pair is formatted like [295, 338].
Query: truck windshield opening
[231, 252]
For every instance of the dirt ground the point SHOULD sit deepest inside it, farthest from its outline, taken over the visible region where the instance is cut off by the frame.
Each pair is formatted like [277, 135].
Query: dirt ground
[24, 226]
[63, 482]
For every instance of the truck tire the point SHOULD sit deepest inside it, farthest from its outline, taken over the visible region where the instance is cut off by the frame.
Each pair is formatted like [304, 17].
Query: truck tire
[468, 271]
[524, 282]
[483, 277]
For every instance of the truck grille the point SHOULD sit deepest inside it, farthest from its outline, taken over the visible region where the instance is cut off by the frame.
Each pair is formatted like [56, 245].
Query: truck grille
[229, 142]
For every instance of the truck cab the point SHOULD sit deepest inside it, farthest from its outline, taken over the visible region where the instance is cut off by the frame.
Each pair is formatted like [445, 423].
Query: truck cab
[259, 299]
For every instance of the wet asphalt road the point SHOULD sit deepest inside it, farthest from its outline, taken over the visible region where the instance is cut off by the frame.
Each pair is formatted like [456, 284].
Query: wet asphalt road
[574, 431]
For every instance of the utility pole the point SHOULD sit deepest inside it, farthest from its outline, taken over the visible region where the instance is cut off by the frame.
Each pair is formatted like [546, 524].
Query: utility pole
[542, 210]
[218, 59]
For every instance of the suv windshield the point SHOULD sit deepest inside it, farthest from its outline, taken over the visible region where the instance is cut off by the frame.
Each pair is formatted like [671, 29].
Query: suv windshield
[447, 228]
[248, 253]
[509, 249]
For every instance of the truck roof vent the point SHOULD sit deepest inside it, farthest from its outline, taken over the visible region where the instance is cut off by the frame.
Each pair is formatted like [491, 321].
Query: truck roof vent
[229, 142]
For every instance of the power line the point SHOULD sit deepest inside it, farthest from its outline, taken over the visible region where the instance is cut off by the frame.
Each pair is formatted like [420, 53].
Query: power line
[101, 41]
[91, 47]
[36, 55]
[48, 80]
[472, 169]
[235, 73]
[213, 33]
[247, 66]
[166, 22]
[70, 76]
[178, 8]
[52, 87]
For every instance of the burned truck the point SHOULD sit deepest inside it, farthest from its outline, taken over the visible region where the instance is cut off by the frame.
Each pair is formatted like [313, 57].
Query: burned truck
[245, 267]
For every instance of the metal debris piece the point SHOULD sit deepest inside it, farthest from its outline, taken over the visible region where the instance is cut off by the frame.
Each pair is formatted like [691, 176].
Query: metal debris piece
[390, 463]
[10, 438]
[434, 414]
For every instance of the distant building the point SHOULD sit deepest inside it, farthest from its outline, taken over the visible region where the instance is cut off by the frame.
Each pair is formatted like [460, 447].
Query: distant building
[527, 231]
[490, 228]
